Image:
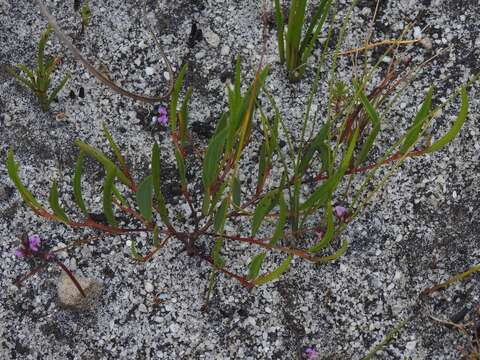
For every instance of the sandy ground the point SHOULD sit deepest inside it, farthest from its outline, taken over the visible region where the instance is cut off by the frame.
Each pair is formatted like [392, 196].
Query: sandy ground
[420, 230]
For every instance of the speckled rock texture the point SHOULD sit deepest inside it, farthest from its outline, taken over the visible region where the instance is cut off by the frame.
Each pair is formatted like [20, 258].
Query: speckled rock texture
[421, 229]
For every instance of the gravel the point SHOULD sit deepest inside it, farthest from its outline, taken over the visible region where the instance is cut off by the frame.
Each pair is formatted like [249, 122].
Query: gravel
[421, 229]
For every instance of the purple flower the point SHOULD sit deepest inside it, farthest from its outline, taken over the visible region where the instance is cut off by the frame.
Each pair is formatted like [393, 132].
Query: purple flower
[311, 352]
[34, 242]
[19, 253]
[340, 211]
[162, 115]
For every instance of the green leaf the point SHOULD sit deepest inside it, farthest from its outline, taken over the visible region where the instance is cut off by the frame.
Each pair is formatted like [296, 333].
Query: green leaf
[236, 192]
[144, 198]
[115, 148]
[41, 50]
[217, 259]
[313, 146]
[275, 273]
[156, 240]
[263, 167]
[282, 218]
[59, 87]
[19, 78]
[280, 27]
[296, 20]
[375, 120]
[212, 156]
[120, 197]
[220, 217]
[457, 125]
[321, 194]
[336, 255]
[102, 159]
[327, 237]
[414, 131]
[264, 206]
[181, 167]
[54, 204]
[77, 187]
[311, 36]
[26, 195]
[108, 195]
[172, 113]
[134, 251]
[255, 265]
[28, 72]
[183, 118]
[163, 212]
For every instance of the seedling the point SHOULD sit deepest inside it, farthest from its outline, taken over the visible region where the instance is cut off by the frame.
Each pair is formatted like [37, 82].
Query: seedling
[293, 49]
[85, 15]
[39, 79]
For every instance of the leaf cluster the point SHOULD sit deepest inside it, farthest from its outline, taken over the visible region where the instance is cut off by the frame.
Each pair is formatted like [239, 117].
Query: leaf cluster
[39, 80]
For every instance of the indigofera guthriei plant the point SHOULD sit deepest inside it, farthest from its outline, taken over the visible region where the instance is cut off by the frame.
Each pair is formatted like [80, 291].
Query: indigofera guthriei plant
[293, 48]
[39, 80]
[305, 207]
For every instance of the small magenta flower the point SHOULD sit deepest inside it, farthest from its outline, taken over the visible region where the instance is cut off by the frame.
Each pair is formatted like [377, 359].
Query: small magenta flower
[34, 242]
[340, 211]
[311, 353]
[19, 253]
[162, 117]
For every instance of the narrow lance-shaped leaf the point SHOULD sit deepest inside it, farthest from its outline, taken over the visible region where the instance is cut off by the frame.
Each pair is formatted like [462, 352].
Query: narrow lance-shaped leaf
[156, 240]
[55, 205]
[282, 219]
[134, 251]
[275, 273]
[120, 197]
[280, 28]
[102, 159]
[163, 212]
[218, 224]
[264, 206]
[327, 237]
[321, 194]
[457, 125]
[144, 198]
[172, 114]
[313, 146]
[27, 196]
[263, 167]
[181, 168]
[58, 88]
[115, 148]
[414, 131]
[24, 81]
[255, 265]
[77, 186]
[335, 255]
[41, 50]
[210, 162]
[108, 195]
[375, 120]
[310, 38]
[183, 118]
[236, 192]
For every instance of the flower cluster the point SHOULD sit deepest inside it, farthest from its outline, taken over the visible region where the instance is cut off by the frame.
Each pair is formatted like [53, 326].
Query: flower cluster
[32, 245]
[162, 117]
